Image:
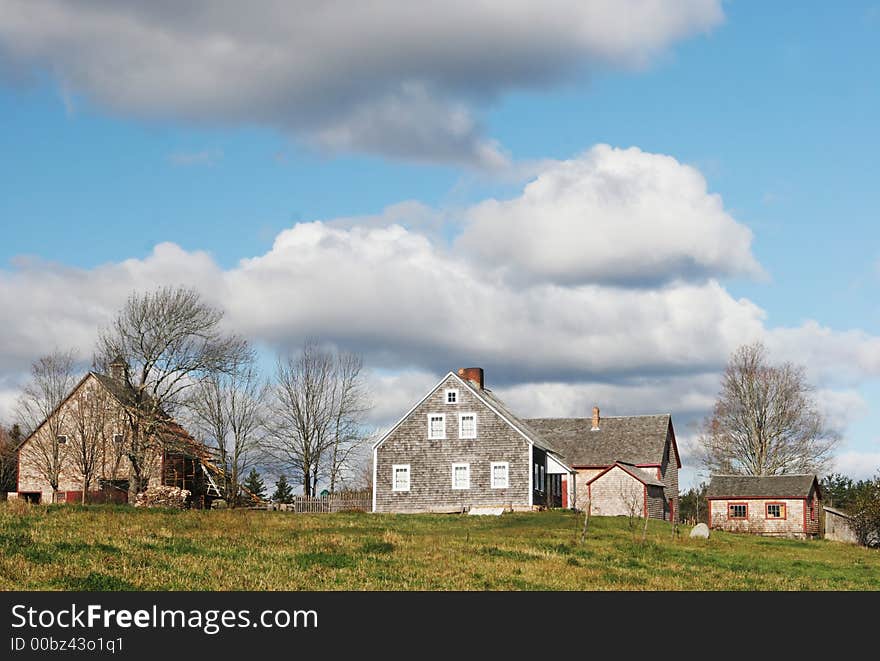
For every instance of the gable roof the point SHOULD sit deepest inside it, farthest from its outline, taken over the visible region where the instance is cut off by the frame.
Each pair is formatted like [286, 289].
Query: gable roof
[125, 397]
[633, 471]
[757, 486]
[638, 439]
[497, 406]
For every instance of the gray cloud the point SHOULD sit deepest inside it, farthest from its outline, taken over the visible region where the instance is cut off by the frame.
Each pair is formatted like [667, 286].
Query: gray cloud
[391, 77]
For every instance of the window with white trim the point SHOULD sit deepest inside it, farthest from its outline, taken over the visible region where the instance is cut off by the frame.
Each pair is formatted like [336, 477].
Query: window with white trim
[400, 477]
[452, 396]
[500, 474]
[436, 425]
[467, 425]
[543, 480]
[62, 439]
[535, 484]
[118, 438]
[461, 476]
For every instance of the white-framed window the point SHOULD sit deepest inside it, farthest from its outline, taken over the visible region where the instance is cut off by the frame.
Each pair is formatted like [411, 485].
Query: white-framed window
[118, 438]
[400, 477]
[461, 476]
[500, 471]
[467, 425]
[62, 439]
[451, 396]
[535, 484]
[436, 425]
[543, 481]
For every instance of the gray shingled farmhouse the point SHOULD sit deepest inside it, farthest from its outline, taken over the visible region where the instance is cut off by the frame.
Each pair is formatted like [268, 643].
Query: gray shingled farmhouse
[460, 449]
[775, 505]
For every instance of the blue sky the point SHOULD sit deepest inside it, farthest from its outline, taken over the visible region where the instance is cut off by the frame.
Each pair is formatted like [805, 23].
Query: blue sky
[775, 106]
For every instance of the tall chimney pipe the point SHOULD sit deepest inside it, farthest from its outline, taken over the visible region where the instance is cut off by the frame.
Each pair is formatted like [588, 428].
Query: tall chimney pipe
[595, 419]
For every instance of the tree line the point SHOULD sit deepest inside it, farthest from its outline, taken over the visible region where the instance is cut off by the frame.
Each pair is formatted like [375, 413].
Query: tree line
[306, 419]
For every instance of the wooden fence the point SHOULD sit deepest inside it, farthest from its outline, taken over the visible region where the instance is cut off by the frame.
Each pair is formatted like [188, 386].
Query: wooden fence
[337, 502]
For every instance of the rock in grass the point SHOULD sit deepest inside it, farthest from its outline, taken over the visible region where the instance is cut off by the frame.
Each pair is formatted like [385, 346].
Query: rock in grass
[700, 531]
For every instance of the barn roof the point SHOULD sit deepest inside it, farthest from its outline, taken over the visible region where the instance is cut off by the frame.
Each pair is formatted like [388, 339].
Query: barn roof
[637, 439]
[758, 486]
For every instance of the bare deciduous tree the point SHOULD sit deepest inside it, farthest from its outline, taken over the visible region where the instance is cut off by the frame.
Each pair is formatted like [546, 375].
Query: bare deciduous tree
[765, 421]
[350, 404]
[317, 409]
[90, 424]
[8, 460]
[228, 408]
[170, 340]
[52, 379]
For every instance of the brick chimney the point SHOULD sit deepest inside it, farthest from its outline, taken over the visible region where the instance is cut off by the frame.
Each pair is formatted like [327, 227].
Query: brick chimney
[595, 419]
[118, 369]
[472, 374]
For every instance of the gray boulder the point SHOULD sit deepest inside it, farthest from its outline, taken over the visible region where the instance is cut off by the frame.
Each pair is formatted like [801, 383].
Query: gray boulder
[700, 531]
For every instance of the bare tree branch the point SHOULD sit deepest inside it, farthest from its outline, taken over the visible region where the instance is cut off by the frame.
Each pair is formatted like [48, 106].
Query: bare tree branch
[765, 421]
[317, 407]
[171, 340]
[52, 379]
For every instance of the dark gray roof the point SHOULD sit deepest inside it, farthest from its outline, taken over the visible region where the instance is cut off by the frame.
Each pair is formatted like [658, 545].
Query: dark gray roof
[526, 429]
[756, 486]
[638, 439]
[836, 511]
[120, 391]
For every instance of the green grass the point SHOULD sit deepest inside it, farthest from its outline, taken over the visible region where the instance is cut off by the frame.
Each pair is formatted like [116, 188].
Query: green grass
[120, 548]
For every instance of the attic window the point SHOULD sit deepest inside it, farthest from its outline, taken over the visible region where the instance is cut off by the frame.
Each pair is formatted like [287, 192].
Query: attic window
[452, 396]
[62, 439]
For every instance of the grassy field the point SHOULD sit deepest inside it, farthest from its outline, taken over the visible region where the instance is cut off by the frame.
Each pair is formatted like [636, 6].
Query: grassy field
[107, 548]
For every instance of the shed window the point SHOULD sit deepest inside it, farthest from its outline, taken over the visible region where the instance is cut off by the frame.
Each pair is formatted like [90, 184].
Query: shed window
[400, 473]
[775, 510]
[500, 475]
[436, 426]
[738, 511]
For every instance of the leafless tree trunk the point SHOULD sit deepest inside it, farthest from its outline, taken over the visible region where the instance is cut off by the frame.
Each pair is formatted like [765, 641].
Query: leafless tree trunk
[587, 508]
[228, 407]
[52, 379]
[90, 414]
[170, 340]
[8, 461]
[350, 403]
[317, 409]
[765, 421]
[633, 502]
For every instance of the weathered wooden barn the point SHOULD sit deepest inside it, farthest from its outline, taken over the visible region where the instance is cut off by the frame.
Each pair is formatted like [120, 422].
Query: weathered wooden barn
[95, 408]
[773, 505]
